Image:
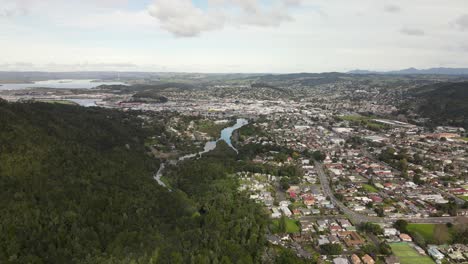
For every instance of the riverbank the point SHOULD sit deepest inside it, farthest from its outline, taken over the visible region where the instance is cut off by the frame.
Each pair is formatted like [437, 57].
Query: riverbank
[225, 135]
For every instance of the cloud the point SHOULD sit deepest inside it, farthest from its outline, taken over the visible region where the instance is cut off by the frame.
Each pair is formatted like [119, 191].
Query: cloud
[412, 31]
[292, 2]
[392, 9]
[462, 22]
[10, 8]
[115, 20]
[183, 19]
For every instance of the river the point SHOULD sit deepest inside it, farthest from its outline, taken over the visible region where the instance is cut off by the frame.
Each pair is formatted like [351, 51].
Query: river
[226, 135]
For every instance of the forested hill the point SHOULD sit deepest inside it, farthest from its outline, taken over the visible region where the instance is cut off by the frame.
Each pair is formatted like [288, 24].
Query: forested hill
[77, 187]
[443, 103]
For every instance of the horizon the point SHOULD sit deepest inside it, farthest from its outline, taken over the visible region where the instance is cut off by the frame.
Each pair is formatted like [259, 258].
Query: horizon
[354, 71]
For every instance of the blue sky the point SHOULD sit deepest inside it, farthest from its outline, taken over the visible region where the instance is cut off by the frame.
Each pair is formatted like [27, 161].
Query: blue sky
[232, 35]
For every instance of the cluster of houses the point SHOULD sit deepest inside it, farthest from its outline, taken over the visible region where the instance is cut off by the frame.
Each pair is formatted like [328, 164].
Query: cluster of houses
[354, 259]
[457, 253]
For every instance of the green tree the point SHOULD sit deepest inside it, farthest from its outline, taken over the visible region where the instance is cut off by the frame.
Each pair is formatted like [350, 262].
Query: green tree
[331, 249]
[401, 225]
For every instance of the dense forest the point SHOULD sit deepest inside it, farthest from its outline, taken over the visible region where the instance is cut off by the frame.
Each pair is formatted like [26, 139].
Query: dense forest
[443, 103]
[77, 187]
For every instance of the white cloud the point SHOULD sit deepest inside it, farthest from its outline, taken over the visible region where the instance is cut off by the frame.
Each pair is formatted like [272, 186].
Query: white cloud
[114, 20]
[462, 22]
[392, 8]
[412, 31]
[183, 19]
[10, 8]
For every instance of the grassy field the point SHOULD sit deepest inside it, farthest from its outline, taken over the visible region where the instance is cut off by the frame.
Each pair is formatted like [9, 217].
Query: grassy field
[463, 197]
[291, 226]
[354, 118]
[427, 231]
[370, 188]
[364, 120]
[65, 102]
[211, 128]
[464, 138]
[408, 255]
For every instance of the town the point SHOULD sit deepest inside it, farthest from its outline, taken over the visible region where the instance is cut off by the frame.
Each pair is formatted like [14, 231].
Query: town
[345, 181]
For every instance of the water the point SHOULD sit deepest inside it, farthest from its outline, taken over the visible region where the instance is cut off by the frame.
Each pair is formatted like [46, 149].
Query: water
[64, 84]
[226, 135]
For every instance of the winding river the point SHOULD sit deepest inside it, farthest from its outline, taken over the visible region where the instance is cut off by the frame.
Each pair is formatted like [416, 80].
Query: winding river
[226, 135]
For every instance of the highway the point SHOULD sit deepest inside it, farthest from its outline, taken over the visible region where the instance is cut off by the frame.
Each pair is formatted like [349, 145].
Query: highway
[357, 218]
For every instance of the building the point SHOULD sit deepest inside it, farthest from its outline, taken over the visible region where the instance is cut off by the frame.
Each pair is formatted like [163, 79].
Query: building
[392, 260]
[435, 253]
[366, 259]
[351, 238]
[355, 259]
[390, 232]
[405, 238]
[340, 261]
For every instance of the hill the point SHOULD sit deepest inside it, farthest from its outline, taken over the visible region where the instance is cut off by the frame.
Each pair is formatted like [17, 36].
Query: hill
[443, 103]
[414, 71]
[77, 187]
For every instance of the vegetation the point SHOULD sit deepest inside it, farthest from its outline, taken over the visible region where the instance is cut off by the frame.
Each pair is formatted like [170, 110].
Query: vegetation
[250, 130]
[408, 255]
[210, 127]
[288, 256]
[365, 121]
[371, 228]
[78, 188]
[432, 233]
[66, 102]
[443, 103]
[149, 96]
[370, 188]
[331, 249]
[285, 225]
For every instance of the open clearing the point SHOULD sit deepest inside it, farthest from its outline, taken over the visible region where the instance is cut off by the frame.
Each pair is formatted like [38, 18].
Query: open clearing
[291, 225]
[408, 255]
[428, 231]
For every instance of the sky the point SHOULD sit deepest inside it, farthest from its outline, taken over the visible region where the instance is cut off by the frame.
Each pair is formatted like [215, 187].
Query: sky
[231, 36]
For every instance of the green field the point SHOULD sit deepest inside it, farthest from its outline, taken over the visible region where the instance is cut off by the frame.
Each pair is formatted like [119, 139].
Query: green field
[291, 226]
[463, 197]
[364, 121]
[370, 188]
[65, 102]
[427, 231]
[407, 255]
[211, 128]
[354, 118]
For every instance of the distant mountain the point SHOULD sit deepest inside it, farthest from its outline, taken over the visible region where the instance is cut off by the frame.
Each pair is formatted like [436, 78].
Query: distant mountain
[363, 72]
[439, 71]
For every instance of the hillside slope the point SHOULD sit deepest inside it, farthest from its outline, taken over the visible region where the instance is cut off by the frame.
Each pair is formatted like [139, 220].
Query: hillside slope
[443, 103]
[77, 187]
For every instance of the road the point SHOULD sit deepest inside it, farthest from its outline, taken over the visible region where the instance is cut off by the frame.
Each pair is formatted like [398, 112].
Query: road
[357, 218]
